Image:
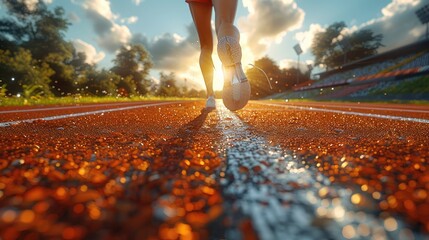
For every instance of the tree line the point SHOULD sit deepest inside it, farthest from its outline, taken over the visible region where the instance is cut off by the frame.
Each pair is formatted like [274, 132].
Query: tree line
[36, 60]
[331, 48]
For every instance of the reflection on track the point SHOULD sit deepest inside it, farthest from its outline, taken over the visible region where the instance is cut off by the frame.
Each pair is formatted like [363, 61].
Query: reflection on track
[7, 124]
[399, 108]
[67, 107]
[285, 197]
[346, 112]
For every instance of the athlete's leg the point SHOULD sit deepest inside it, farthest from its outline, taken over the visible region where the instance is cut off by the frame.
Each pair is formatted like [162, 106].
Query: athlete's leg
[236, 87]
[229, 49]
[225, 15]
[201, 14]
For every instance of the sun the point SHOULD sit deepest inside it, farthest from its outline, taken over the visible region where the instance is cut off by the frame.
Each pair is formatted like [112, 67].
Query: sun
[218, 78]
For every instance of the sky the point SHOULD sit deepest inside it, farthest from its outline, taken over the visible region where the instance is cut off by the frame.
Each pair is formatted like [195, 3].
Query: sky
[268, 28]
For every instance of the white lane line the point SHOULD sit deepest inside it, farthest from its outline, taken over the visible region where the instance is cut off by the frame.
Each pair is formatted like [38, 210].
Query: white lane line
[368, 108]
[7, 124]
[285, 197]
[63, 107]
[390, 117]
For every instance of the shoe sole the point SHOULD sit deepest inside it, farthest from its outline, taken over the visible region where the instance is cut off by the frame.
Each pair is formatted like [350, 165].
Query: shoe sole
[234, 104]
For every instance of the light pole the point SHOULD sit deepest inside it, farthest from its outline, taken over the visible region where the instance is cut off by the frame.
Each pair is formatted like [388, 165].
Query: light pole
[298, 51]
[345, 46]
[310, 68]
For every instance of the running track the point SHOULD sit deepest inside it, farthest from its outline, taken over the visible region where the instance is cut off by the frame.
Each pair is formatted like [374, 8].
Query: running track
[168, 170]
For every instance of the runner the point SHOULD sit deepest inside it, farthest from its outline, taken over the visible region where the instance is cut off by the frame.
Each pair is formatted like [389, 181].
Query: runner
[236, 90]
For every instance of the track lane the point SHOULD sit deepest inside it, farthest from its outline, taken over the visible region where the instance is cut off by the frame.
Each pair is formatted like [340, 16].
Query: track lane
[403, 110]
[351, 151]
[385, 158]
[125, 174]
[20, 109]
[19, 114]
[284, 195]
[78, 112]
[355, 113]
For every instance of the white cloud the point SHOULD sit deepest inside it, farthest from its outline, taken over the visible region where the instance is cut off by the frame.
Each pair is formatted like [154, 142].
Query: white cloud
[399, 23]
[101, 7]
[137, 2]
[268, 22]
[130, 20]
[31, 4]
[117, 36]
[305, 38]
[397, 6]
[92, 56]
[347, 31]
[110, 35]
[291, 63]
[172, 52]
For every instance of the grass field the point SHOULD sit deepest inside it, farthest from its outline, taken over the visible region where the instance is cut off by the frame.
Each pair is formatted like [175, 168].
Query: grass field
[15, 101]
[420, 85]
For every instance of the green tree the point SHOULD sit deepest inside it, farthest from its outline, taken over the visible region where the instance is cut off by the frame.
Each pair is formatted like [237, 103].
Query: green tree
[41, 31]
[259, 83]
[167, 85]
[323, 48]
[48, 44]
[126, 87]
[363, 43]
[332, 49]
[10, 32]
[292, 77]
[14, 29]
[101, 83]
[81, 69]
[3, 90]
[79, 63]
[184, 89]
[21, 72]
[193, 93]
[133, 63]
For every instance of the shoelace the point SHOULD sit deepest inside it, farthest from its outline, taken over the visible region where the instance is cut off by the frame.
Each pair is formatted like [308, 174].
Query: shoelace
[260, 69]
[229, 50]
[234, 54]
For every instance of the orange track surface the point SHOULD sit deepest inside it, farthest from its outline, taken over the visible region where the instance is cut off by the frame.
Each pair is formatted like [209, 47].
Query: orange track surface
[107, 175]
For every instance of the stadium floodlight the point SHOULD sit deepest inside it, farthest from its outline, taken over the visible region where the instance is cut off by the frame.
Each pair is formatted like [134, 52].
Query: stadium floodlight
[297, 49]
[423, 16]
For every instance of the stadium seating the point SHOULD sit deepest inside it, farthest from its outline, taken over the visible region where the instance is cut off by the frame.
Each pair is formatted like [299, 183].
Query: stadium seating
[367, 76]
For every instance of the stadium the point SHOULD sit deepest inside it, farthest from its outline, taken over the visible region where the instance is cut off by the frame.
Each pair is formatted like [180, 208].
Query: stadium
[93, 145]
[371, 78]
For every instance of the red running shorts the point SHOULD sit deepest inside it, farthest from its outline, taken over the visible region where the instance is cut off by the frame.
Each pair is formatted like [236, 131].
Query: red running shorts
[200, 1]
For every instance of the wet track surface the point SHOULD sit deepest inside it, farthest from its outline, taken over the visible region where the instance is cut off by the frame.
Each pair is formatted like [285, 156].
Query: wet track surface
[167, 170]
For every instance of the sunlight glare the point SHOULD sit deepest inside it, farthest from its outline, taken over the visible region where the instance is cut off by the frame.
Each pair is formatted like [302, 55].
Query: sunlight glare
[218, 78]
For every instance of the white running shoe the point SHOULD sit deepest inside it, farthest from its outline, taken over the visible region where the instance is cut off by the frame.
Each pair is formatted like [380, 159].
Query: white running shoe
[236, 89]
[211, 102]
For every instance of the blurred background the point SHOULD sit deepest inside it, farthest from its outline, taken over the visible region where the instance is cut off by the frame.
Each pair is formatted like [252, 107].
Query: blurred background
[362, 50]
